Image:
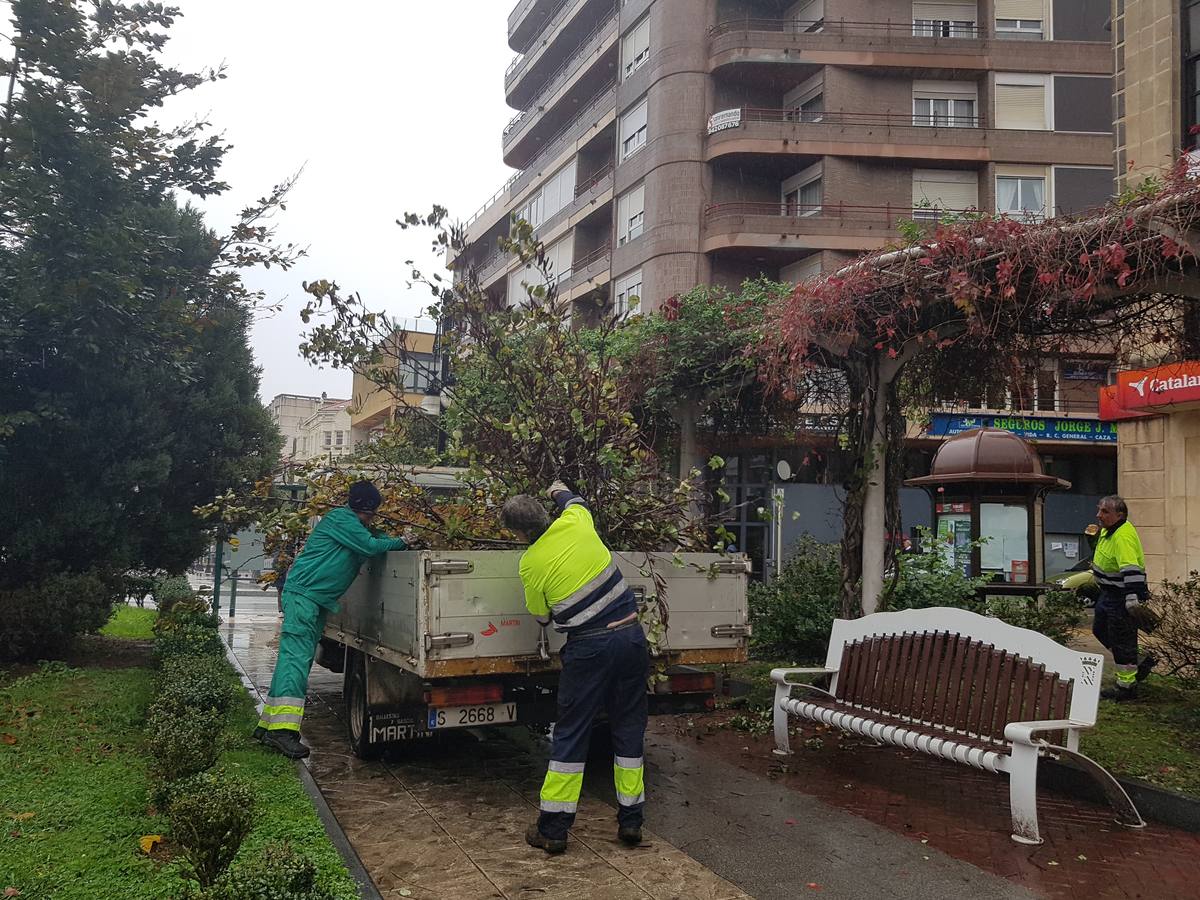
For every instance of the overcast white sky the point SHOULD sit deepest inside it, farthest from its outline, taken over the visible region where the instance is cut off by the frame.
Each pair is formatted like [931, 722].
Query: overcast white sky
[389, 105]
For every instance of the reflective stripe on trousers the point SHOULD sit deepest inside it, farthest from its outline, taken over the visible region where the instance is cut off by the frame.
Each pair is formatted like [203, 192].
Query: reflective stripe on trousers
[282, 713]
[629, 776]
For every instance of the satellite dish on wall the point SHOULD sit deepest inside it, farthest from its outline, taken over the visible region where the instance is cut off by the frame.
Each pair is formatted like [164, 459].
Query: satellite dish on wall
[783, 469]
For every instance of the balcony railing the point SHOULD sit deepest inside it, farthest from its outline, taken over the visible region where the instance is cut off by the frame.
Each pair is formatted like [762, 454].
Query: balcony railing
[519, 63]
[842, 212]
[839, 117]
[521, 179]
[839, 27]
[563, 73]
[590, 259]
[1027, 407]
[593, 180]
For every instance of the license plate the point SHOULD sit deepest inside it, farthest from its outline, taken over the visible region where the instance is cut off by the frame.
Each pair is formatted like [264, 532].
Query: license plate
[465, 716]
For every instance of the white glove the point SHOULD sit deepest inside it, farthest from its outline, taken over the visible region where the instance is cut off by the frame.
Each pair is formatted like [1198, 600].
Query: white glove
[543, 622]
[558, 486]
[1131, 601]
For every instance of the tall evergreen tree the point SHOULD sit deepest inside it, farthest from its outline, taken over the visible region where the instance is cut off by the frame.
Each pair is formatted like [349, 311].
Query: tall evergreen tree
[128, 393]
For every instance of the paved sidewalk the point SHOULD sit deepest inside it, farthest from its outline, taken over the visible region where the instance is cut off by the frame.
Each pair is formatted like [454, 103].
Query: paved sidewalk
[446, 820]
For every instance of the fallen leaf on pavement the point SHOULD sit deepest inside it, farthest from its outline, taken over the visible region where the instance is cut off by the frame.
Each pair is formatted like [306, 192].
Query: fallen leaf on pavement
[1081, 858]
[149, 841]
[813, 886]
[789, 821]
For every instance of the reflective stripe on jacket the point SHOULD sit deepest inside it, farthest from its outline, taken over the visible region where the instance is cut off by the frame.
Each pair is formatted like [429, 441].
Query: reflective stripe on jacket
[1119, 563]
[569, 575]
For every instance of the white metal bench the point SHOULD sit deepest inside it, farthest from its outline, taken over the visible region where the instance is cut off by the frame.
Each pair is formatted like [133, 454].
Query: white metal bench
[962, 686]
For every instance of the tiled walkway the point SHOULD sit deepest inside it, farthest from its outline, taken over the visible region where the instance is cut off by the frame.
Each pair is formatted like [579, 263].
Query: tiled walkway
[446, 820]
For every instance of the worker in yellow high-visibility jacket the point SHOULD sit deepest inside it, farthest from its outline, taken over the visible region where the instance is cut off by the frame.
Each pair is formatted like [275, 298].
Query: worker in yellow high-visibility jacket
[570, 579]
[1119, 565]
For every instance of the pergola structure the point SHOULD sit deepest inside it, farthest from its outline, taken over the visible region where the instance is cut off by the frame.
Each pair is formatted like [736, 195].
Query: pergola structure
[961, 302]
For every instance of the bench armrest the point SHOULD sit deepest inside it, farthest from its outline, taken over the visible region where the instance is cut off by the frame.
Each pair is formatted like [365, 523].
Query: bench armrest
[1023, 732]
[779, 676]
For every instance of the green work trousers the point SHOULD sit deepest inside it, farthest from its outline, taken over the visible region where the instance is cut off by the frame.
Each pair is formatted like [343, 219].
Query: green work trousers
[303, 623]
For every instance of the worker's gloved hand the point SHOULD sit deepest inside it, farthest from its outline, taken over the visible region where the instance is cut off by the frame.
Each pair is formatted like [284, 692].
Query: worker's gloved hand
[543, 622]
[1143, 616]
[557, 486]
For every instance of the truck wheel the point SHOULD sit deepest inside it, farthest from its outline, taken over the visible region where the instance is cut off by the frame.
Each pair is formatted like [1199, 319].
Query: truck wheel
[354, 694]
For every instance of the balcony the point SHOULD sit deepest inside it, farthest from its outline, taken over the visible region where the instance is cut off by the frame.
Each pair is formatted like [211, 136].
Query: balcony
[897, 45]
[565, 39]
[569, 89]
[541, 150]
[777, 225]
[587, 269]
[902, 136]
[527, 20]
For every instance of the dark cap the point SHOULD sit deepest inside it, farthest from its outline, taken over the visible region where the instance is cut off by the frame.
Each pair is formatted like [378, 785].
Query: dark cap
[364, 497]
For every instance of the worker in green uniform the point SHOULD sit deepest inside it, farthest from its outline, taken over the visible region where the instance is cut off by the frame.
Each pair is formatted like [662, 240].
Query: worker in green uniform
[322, 572]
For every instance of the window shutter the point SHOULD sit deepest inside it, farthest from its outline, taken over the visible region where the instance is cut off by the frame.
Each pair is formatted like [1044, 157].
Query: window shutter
[1021, 9]
[958, 90]
[945, 12]
[1021, 106]
[946, 189]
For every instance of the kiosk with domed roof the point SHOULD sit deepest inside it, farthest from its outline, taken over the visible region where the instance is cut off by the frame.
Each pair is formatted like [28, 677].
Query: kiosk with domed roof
[988, 484]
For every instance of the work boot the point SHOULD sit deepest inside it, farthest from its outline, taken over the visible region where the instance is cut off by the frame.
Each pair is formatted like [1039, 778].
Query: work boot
[287, 742]
[1119, 694]
[535, 838]
[1149, 661]
[259, 733]
[629, 834]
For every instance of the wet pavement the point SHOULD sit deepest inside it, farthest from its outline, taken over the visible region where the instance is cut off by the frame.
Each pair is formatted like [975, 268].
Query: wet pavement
[446, 819]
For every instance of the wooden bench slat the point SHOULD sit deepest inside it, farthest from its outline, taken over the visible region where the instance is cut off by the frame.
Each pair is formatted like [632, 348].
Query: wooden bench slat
[933, 676]
[883, 672]
[953, 682]
[900, 692]
[1016, 692]
[969, 687]
[979, 695]
[1008, 666]
[845, 673]
[867, 659]
[920, 678]
[981, 720]
[1033, 680]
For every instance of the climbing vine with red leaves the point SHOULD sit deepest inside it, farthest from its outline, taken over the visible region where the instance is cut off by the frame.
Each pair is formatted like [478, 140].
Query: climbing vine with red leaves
[977, 301]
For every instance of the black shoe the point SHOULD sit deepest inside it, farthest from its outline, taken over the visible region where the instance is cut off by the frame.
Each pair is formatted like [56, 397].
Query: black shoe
[259, 733]
[287, 742]
[535, 838]
[629, 834]
[1149, 661]
[1119, 694]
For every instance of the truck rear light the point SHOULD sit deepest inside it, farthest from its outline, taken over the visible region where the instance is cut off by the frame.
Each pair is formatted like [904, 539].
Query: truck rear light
[469, 695]
[692, 683]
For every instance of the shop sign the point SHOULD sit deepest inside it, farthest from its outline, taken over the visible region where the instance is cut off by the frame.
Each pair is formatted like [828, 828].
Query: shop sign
[1034, 428]
[1160, 389]
[725, 119]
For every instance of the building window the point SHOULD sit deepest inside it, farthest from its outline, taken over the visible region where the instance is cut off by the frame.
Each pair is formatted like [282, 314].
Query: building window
[1019, 29]
[1191, 74]
[803, 194]
[1021, 102]
[415, 373]
[809, 16]
[635, 47]
[1021, 196]
[339, 438]
[328, 438]
[943, 112]
[561, 257]
[633, 130]
[949, 28]
[631, 215]
[806, 102]
[938, 191]
[628, 293]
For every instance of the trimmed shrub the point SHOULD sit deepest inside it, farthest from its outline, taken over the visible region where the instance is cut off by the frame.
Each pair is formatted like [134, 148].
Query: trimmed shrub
[792, 615]
[188, 640]
[42, 620]
[171, 591]
[183, 743]
[1057, 616]
[194, 682]
[278, 873]
[210, 816]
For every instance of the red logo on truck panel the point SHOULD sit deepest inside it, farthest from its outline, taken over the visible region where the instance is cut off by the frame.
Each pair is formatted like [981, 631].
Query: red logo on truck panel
[489, 631]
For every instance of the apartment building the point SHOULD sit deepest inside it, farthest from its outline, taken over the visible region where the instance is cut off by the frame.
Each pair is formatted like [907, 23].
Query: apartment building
[665, 143]
[661, 144]
[326, 433]
[374, 407]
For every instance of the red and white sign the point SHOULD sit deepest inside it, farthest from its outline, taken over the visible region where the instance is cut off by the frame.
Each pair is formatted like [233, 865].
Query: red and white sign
[1145, 392]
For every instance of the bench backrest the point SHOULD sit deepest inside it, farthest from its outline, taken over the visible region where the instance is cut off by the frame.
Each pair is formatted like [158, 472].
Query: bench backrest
[960, 670]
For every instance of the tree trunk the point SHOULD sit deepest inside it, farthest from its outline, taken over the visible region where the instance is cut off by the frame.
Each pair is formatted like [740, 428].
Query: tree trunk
[875, 491]
[686, 415]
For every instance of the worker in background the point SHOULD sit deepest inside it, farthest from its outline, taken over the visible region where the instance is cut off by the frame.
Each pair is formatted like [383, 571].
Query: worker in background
[570, 579]
[1119, 566]
[318, 577]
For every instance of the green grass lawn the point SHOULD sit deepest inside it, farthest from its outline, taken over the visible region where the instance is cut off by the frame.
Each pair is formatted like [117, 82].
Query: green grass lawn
[131, 622]
[74, 787]
[1156, 738]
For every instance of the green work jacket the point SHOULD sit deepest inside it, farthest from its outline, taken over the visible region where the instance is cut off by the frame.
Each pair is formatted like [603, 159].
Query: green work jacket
[332, 556]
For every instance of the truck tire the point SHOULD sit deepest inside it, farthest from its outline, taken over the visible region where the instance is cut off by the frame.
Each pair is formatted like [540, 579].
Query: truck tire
[358, 717]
